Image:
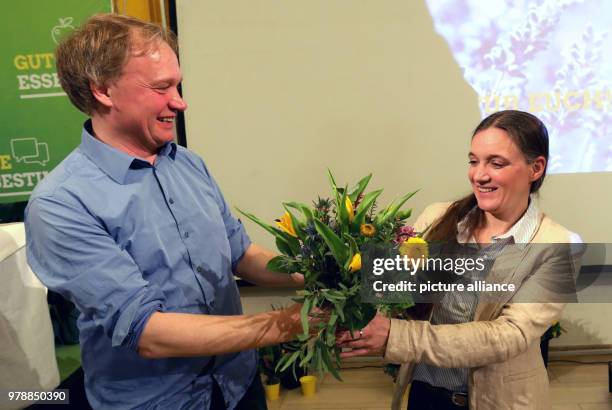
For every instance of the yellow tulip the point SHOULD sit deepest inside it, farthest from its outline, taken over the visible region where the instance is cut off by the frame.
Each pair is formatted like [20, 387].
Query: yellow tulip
[286, 225]
[355, 264]
[414, 248]
[349, 208]
[368, 230]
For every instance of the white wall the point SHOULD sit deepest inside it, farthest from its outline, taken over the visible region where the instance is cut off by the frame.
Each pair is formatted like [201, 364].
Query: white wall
[280, 90]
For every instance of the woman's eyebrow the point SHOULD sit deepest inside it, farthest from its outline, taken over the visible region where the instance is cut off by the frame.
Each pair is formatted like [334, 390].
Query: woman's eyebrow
[496, 156]
[489, 157]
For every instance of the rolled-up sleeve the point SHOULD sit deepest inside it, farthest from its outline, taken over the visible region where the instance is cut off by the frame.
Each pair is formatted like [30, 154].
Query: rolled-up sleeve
[72, 254]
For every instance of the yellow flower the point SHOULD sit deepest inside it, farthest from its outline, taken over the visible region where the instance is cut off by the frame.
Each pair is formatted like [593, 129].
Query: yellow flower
[355, 264]
[414, 248]
[286, 225]
[349, 208]
[368, 230]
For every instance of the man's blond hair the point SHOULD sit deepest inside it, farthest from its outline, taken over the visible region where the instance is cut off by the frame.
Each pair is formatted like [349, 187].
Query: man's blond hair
[96, 53]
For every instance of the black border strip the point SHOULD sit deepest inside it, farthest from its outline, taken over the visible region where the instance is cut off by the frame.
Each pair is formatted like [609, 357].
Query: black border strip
[181, 134]
[596, 269]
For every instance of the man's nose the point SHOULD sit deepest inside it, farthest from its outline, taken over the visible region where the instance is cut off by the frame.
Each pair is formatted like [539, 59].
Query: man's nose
[177, 103]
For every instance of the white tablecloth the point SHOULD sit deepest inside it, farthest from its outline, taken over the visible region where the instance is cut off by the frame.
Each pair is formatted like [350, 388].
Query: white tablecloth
[27, 352]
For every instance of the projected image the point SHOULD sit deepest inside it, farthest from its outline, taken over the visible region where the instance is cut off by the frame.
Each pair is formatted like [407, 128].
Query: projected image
[549, 57]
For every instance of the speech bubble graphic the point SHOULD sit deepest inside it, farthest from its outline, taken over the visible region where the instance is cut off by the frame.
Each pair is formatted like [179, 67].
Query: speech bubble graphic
[30, 151]
[43, 153]
[24, 148]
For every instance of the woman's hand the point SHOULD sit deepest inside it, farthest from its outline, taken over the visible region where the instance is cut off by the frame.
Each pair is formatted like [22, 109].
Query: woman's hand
[369, 341]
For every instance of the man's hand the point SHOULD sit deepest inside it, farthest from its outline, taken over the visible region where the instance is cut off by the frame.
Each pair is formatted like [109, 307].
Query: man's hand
[298, 280]
[369, 341]
[253, 268]
[169, 334]
[293, 317]
[315, 317]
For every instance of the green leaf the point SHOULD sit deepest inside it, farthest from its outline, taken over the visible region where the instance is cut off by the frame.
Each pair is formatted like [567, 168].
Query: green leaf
[379, 217]
[283, 246]
[281, 264]
[274, 231]
[309, 355]
[304, 314]
[332, 298]
[305, 209]
[281, 362]
[317, 363]
[402, 215]
[395, 206]
[328, 363]
[338, 249]
[352, 244]
[292, 243]
[330, 334]
[332, 181]
[333, 318]
[292, 358]
[330, 338]
[336, 293]
[361, 186]
[364, 207]
[340, 311]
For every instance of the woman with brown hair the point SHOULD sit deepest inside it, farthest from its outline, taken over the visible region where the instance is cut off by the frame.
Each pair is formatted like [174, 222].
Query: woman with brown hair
[465, 352]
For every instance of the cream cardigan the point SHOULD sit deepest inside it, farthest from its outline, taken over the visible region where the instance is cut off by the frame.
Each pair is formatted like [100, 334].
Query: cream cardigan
[502, 345]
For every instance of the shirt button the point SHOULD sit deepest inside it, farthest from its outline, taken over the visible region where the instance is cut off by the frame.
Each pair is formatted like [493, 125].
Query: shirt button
[171, 201]
[199, 269]
[186, 235]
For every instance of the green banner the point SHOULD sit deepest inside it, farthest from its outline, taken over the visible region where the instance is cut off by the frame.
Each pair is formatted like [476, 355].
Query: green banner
[39, 124]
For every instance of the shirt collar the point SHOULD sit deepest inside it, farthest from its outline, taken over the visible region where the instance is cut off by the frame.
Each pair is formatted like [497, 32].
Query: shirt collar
[525, 227]
[115, 163]
[521, 232]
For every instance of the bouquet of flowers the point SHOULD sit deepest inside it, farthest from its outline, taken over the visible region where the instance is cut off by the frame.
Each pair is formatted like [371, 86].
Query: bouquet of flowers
[324, 243]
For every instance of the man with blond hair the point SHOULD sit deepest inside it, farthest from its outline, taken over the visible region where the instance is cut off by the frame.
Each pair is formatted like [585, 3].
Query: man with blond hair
[134, 230]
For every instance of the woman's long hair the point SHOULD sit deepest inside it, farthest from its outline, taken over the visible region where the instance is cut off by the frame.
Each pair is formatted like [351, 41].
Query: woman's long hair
[531, 137]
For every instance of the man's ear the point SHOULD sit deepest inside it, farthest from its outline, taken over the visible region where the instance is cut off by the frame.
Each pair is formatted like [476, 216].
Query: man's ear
[538, 166]
[102, 94]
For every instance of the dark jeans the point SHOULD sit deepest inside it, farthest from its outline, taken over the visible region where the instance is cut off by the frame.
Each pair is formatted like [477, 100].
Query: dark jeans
[253, 399]
[424, 396]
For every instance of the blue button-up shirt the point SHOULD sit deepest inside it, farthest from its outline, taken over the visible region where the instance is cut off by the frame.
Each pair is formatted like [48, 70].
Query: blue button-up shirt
[122, 238]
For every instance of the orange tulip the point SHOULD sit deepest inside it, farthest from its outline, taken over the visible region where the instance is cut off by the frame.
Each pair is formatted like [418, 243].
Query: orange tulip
[355, 264]
[286, 224]
[349, 208]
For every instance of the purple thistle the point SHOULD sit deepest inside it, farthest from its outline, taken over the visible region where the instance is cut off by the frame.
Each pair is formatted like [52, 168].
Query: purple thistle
[404, 233]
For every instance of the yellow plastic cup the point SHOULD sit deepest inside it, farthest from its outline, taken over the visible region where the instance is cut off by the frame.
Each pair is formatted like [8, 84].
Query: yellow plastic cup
[272, 391]
[309, 385]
